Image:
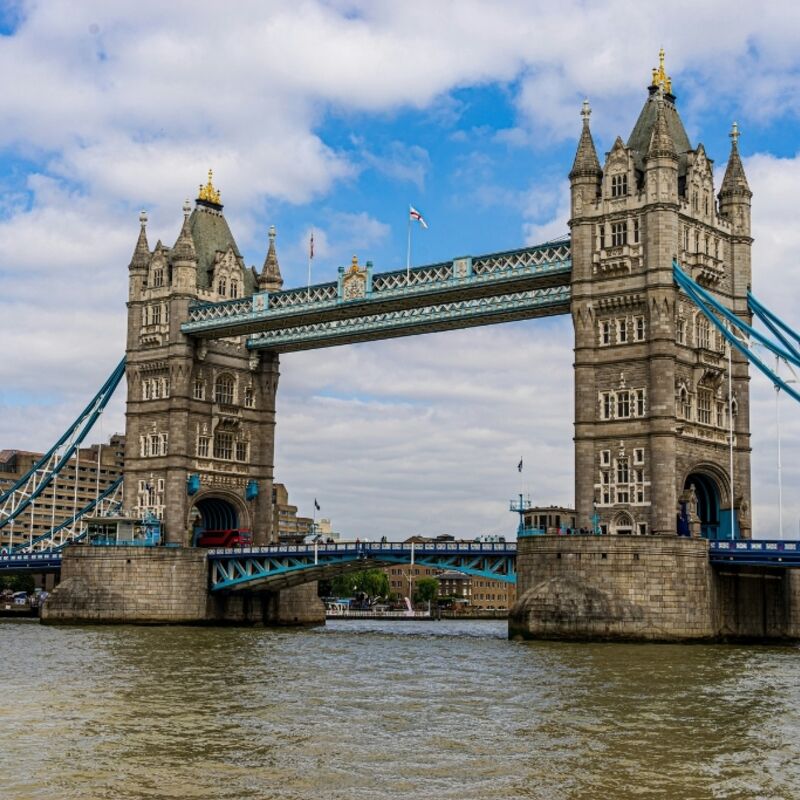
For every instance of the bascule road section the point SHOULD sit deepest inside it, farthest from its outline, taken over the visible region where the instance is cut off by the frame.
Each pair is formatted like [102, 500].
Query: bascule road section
[362, 305]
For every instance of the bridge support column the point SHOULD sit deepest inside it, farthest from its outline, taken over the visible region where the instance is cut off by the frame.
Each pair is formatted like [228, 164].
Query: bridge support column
[135, 585]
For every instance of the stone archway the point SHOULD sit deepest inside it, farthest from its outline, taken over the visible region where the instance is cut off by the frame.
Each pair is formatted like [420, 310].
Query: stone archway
[705, 491]
[622, 524]
[217, 511]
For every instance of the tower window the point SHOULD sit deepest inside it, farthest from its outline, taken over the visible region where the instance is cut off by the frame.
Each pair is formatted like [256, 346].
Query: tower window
[202, 446]
[223, 445]
[619, 234]
[636, 230]
[158, 278]
[241, 451]
[703, 333]
[222, 286]
[638, 455]
[680, 331]
[199, 389]
[605, 333]
[622, 330]
[223, 390]
[639, 329]
[234, 289]
[249, 397]
[686, 238]
[704, 406]
[684, 403]
[619, 185]
[623, 404]
[640, 404]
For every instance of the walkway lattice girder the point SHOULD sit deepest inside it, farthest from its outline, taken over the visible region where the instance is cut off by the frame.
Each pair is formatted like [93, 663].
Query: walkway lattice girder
[455, 284]
[276, 568]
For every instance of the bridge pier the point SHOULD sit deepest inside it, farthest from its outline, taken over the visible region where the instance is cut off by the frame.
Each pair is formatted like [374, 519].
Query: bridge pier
[136, 585]
[647, 588]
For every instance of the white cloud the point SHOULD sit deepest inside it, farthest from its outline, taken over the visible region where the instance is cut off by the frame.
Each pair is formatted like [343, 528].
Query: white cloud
[125, 105]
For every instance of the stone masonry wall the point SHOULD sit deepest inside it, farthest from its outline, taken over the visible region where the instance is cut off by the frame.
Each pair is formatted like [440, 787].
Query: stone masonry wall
[164, 585]
[611, 587]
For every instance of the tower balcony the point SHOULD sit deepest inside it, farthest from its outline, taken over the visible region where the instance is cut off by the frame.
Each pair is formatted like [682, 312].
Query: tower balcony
[618, 260]
[705, 269]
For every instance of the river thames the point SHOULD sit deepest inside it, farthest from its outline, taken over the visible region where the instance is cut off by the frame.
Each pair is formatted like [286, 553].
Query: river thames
[372, 709]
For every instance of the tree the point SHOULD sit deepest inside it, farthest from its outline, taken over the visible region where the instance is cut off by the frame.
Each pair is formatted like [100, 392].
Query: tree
[18, 583]
[426, 590]
[371, 582]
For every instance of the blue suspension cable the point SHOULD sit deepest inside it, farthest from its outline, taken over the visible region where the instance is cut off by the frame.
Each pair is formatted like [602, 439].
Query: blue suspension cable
[686, 283]
[734, 342]
[773, 323]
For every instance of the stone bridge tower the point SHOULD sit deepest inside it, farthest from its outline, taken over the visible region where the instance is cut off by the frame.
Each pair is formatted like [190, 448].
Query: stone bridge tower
[652, 382]
[200, 414]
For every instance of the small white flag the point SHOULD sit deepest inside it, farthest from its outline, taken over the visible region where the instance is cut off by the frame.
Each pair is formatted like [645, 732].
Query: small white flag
[414, 214]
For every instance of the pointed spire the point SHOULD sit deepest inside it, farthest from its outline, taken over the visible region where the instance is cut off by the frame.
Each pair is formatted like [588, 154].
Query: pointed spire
[141, 253]
[662, 145]
[735, 181]
[270, 278]
[184, 250]
[586, 162]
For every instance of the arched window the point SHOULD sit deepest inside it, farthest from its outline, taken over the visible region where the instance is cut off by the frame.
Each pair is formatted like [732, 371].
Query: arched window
[234, 288]
[222, 286]
[223, 390]
[223, 445]
[158, 277]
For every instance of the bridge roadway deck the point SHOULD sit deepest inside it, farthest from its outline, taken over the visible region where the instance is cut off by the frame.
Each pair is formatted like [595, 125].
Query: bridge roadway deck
[517, 284]
[285, 565]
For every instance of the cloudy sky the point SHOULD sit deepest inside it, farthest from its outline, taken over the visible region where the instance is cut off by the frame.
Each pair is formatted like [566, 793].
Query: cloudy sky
[336, 115]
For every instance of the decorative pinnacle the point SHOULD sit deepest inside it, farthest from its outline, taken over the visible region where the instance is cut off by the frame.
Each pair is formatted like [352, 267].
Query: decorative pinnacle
[187, 207]
[586, 111]
[208, 192]
[734, 134]
[271, 234]
[660, 77]
[143, 218]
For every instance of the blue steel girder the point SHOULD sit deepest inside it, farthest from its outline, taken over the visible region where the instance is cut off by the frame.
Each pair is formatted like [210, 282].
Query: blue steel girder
[413, 321]
[775, 553]
[460, 280]
[279, 567]
[42, 561]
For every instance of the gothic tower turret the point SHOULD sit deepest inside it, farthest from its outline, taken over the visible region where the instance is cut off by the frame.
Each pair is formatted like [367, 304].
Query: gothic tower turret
[200, 414]
[651, 389]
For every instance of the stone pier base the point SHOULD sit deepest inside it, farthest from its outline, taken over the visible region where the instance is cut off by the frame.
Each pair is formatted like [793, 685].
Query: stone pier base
[647, 588]
[137, 585]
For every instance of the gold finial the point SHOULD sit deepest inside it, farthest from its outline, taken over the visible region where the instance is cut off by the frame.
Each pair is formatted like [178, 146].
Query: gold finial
[354, 265]
[208, 192]
[660, 77]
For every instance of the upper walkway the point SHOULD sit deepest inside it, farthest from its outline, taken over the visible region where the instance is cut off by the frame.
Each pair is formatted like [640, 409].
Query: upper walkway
[362, 305]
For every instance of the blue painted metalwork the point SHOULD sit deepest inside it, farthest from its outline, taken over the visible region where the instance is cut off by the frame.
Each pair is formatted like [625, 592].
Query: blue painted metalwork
[44, 561]
[251, 490]
[510, 273]
[782, 554]
[193, 484]
[424, 319]
[47, 541]
[710, 307]
[280, 566]
[31, 485]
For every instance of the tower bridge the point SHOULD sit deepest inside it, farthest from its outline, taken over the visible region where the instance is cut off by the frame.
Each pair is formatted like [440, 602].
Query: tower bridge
[656, 274]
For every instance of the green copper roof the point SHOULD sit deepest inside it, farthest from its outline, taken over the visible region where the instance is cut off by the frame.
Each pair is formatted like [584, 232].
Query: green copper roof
[210, 233]
[639, 140]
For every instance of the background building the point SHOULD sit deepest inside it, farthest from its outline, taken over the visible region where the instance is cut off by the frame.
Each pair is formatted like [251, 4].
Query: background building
[88, 474]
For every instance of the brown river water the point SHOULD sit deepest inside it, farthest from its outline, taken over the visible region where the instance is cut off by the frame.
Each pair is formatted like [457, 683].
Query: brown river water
[376, 709]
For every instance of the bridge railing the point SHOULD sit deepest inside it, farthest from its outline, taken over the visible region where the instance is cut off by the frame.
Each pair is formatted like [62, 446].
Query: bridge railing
[549, 257]
[367, 548]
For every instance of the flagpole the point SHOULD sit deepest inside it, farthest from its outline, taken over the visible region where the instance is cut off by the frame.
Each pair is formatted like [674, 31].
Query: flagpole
[309, 265]
[408, 249]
